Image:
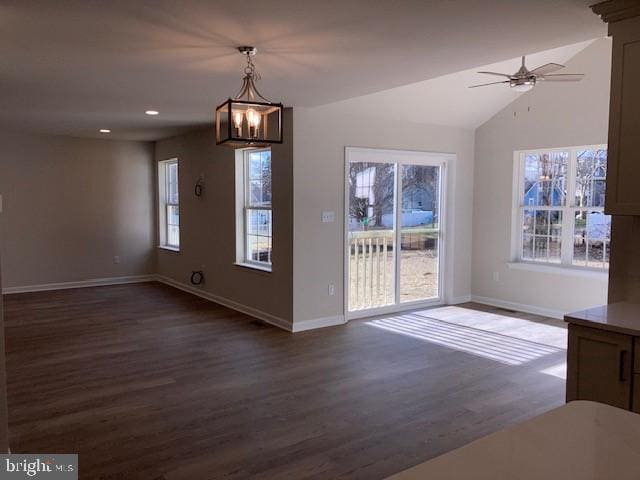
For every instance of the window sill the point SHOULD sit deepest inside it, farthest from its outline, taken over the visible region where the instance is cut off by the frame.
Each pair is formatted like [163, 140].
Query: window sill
[253, 266]
[560, 270]
[168, 248]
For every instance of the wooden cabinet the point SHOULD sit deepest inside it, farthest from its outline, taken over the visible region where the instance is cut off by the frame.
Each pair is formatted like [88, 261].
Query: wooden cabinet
[4, 415]
[636, 378]
[623, 176]
[600, 366]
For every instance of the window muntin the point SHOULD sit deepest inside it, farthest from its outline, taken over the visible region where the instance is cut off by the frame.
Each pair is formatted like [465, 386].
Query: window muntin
[258, 214]
[592, 228]
[561, 207]
[542, 235]
[170, 208]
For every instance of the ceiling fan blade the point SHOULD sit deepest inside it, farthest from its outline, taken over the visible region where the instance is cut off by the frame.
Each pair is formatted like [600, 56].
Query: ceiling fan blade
[548, 68]
[562, 77]
[496, 73]
[487, 84]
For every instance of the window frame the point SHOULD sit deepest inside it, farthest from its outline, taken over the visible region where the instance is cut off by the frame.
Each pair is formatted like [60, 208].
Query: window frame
[243, 206]
[568, 212]
[164, 204]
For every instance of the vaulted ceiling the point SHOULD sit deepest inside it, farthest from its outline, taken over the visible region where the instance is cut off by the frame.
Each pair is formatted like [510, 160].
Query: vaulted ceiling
[448, 101]
[74, 66]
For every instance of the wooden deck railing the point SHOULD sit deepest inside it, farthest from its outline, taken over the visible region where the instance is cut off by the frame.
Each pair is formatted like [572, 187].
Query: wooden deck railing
[371, 263]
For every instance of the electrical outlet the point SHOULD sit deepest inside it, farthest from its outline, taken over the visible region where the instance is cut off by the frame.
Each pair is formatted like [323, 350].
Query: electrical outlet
[496, 276]
[332, 289]
[116, 259]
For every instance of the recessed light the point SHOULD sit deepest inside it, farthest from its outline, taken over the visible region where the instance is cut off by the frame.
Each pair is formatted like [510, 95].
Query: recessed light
[105, 130]
[152, 112]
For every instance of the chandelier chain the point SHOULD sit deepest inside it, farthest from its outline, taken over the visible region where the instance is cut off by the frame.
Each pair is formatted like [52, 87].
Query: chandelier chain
[250, 69]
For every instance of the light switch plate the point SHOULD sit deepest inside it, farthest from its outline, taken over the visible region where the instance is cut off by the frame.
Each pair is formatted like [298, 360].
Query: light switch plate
[328, 217]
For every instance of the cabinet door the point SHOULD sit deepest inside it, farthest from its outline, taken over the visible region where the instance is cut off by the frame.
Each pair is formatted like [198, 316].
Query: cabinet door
[599, 366]
[623, 175]
[636, 394]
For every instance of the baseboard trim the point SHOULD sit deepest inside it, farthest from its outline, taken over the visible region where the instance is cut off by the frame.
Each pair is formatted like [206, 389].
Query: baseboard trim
[318, 323]
[254, 312]
[519, 307]
[460, 299]
[94, 282]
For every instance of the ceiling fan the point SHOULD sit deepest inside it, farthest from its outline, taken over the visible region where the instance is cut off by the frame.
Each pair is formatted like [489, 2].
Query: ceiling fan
[524, 79]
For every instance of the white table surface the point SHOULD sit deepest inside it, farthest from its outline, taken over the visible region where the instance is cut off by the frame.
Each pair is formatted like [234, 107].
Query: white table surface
[581, 440]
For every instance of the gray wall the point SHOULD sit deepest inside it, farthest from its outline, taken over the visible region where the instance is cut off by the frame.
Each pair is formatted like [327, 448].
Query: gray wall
[561, 115]
[207, 224]
[71, 205]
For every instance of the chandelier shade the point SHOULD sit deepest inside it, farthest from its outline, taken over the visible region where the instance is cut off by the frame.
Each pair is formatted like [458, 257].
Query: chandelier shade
[248, 119]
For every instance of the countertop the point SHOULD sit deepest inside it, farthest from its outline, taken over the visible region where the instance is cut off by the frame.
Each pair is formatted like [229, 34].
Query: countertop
[578, 441]
[620, 317]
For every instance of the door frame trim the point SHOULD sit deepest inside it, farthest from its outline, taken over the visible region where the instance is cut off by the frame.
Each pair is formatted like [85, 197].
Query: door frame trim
[399, 157]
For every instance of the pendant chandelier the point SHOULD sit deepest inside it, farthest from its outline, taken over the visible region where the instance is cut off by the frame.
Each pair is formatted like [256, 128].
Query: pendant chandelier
[249, 119]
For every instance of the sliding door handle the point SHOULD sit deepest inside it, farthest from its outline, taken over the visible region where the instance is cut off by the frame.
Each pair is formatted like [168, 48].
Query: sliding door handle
[621, 369]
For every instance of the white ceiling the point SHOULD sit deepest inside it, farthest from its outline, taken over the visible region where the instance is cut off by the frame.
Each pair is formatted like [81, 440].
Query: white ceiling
[74, 66]
[448, 100]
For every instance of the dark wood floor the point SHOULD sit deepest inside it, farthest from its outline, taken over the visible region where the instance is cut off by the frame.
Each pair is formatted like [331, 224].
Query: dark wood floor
[144, 381]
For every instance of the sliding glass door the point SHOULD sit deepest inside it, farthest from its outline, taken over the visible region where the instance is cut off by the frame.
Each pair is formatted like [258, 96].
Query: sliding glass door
[394, 219]
[419, 233]
[371, 225]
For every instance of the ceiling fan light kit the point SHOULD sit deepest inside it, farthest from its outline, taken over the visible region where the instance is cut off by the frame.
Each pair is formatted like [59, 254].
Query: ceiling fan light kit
[524, 79]
[248, 119]
[523, 86]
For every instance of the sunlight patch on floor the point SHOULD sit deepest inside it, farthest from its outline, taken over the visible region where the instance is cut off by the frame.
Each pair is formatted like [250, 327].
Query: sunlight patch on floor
[558, 371]
[487, 344]
[549, 333]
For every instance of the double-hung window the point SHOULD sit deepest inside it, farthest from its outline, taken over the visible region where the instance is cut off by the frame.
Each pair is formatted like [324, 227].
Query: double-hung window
[254, 212]
[560, 207]
[169, 204]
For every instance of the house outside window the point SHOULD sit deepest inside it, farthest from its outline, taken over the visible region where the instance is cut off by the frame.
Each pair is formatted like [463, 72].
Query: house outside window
[169, 211]
[254, 212]
[559, 207]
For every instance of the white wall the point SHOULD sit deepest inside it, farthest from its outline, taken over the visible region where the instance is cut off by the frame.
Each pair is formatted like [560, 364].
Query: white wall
[71, 205]
[320, 137]
[561, 115]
